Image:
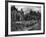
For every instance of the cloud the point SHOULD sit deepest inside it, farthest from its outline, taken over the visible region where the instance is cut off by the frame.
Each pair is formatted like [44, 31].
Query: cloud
[27, 8]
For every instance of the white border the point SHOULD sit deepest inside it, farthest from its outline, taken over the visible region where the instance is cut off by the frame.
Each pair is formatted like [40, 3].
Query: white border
[23, 32]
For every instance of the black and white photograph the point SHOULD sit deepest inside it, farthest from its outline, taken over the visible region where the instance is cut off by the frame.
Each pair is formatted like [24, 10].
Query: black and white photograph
[25, 18]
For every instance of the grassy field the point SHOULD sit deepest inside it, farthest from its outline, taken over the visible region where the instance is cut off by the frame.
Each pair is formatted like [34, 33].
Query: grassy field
[26, 25]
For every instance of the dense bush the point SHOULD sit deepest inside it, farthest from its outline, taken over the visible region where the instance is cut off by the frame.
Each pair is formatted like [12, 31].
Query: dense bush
[29, 16]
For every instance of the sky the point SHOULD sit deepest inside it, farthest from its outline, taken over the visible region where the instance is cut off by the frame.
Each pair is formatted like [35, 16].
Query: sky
[26, 9]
